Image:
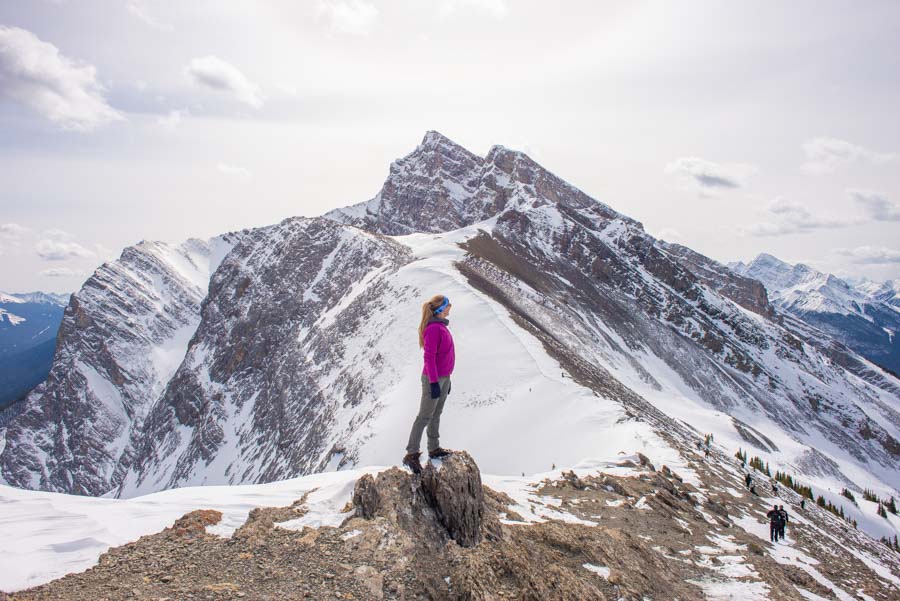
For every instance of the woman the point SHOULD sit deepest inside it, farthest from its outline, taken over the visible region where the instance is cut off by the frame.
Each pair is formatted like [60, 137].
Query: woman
[437, 342]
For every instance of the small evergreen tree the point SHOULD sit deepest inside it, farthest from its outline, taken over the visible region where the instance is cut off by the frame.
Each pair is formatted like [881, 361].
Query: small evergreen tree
[849, 495]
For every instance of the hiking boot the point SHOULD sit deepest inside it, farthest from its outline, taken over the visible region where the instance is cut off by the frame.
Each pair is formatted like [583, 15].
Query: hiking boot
[439, 453]
[411, 460]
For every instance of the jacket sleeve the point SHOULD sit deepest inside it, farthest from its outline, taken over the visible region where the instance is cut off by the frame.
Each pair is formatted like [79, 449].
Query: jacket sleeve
[432, 337]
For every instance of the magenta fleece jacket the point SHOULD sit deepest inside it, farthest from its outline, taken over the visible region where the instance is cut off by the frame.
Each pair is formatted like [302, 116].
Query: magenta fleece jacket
[439, 355]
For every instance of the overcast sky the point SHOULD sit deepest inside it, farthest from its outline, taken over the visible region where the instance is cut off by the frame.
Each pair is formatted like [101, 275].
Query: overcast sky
[767, 127]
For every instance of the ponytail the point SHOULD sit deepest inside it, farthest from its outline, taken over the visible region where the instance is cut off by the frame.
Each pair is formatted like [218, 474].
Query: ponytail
[428, 310]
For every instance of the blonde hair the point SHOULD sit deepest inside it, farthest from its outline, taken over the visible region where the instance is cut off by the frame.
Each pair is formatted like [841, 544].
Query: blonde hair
[427, 313]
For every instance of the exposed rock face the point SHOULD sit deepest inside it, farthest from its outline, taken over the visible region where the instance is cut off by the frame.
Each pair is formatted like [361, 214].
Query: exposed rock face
[277, 324]
[441, 186]
[366, 499]
[603, 288]
[121, 339]
[452, 490]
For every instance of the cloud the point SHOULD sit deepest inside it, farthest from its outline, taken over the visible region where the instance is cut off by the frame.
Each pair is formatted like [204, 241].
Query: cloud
[870, 255]
[172, 120]
[708, 176]
[34, 74]
[350, 17]
[235, 171]
[12, 230]
[60, 250]
[792, 218]
[826, 155]
[61, 272]
[215, 73]
[495, 8]
[138, 8]
[876, 204]
[57, 234]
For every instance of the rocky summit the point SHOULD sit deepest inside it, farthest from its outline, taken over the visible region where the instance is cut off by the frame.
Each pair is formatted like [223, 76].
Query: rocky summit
[642, 534]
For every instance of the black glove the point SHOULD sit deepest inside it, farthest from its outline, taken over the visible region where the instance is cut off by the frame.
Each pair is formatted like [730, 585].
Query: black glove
[449, 386]
[435, 390]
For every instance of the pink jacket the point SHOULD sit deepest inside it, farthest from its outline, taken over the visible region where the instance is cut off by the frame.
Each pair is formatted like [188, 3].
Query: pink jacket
[439, 355]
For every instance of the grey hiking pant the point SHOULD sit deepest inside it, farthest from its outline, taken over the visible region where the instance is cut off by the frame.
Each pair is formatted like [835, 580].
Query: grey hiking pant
[429, 415]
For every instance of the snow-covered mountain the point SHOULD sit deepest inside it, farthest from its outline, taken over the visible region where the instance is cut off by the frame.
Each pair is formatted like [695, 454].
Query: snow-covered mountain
[28, 326]
[122, 337]
[578, 336]
[864, 316]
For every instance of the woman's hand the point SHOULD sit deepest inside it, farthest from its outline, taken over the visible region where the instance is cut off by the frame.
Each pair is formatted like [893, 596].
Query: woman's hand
[435, 390]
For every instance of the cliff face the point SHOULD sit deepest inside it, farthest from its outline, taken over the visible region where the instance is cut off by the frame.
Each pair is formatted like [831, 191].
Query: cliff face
[274, 361]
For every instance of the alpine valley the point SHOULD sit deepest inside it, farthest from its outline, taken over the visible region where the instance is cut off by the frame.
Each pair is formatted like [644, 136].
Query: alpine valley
[288, 350]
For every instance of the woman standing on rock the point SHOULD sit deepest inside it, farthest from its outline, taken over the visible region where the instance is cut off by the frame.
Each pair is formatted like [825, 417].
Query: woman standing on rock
[437, 342]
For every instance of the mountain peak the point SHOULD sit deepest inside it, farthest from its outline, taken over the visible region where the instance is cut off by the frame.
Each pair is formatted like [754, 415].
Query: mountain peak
[435, 138]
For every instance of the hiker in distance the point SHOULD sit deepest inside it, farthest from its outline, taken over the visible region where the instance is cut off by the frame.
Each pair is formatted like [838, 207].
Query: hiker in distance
[774, 524]
[782, 521]
[437, 344]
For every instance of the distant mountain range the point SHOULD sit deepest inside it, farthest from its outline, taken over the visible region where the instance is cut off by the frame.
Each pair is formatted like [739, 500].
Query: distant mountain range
[28, 325]
[863, 315]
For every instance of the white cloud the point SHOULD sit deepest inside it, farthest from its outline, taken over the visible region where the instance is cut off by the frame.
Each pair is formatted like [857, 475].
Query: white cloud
[871, 255]
[350, 17]
[876, 204]
[57, 234]
[709, 176]
[496, 8]
[139, 9]
[61, 272]
[12, 230]
[791, 218]
[172, 120]
[103, 252]
[235, 171]
[213, 72]
[60, 250]
[35, 74]
[825, 155]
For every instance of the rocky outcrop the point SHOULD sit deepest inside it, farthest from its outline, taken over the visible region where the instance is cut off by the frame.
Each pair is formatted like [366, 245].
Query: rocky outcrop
[603, 537]
[451, 490]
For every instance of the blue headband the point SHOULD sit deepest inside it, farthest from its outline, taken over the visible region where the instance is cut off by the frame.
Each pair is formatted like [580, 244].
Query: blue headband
[443, 305]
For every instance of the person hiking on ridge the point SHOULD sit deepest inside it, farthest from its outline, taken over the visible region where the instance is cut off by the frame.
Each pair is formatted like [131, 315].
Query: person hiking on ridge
[774, 519]
[437, 344]
[782, 521]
